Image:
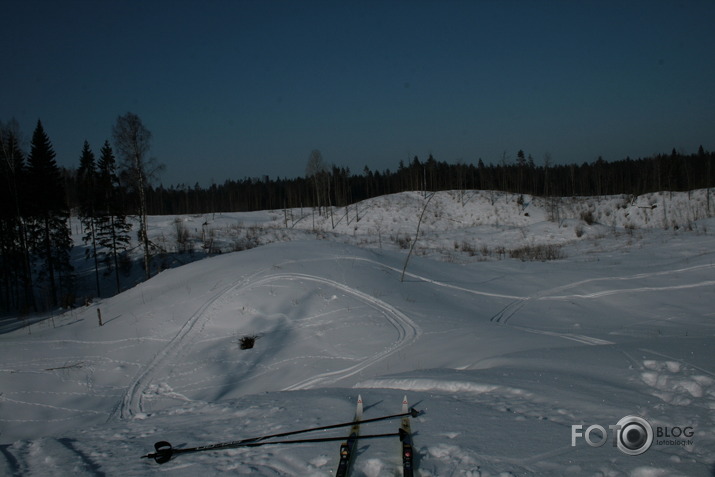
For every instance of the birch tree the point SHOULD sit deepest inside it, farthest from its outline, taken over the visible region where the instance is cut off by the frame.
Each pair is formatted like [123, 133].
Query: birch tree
[132, 141]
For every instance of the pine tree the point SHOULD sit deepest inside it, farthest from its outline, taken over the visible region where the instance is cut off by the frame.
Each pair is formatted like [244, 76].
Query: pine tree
[113, 228]
[48, 217]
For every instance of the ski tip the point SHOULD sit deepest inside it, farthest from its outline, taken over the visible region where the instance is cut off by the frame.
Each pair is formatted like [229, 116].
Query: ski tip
[358, 409]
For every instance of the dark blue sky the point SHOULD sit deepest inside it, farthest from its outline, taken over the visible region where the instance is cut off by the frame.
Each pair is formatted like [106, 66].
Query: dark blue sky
[233, 89]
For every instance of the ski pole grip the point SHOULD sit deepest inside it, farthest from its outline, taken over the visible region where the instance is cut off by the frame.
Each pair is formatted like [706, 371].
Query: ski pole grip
[164, 452]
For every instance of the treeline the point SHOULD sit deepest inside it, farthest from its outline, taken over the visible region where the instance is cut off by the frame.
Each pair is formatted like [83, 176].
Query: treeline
[339, 186]
[37, 196]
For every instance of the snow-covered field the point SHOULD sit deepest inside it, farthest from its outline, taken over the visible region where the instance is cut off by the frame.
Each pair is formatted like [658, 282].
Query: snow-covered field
[502, 354]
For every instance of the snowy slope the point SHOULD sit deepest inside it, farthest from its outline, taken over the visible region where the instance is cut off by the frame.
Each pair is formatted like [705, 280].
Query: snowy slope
[502, 355]
[457, 226]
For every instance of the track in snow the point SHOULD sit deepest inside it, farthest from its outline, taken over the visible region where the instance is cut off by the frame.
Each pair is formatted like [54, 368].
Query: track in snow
[504, 315]
[408, 332]
[131, 403]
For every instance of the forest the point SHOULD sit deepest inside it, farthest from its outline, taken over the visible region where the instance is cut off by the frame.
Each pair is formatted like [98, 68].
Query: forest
[38, 197]
[340, 186]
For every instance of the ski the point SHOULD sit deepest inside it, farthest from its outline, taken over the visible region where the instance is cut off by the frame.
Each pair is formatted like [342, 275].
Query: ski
[348, 447]
[164, 450]
[406, 438]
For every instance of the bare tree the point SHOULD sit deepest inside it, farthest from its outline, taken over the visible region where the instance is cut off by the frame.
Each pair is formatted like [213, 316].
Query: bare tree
[132, 141]
[417, 235]
[547, 165]
[317, 170]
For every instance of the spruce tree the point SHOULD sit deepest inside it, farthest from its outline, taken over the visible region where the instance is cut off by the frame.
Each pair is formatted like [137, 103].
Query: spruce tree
[48, 220]
[15, 278]
[113, 228]
[87, 195]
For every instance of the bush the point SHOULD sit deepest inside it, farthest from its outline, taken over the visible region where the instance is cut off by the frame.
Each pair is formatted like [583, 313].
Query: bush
[469, 248]
[247, 342]
[530, 253]
[182, 235]
[587, 216]
[403, 242]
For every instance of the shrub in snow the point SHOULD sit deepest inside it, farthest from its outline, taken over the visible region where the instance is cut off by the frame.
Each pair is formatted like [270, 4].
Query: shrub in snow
[587, 216]
[537, 252]
[468, 248]
[247, 342]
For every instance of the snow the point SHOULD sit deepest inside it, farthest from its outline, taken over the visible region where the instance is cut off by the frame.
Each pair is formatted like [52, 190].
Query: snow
[502, 355]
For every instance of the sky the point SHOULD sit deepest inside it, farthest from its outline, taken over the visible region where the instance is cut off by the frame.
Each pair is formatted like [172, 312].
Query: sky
[236, 89]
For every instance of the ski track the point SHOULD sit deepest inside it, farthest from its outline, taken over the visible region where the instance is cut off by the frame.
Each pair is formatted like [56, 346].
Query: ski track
[506, 313]
[435, 282]
[630, 290]
[568, 336]
[48, 406]
[518, 302]
[86, 342]
[408, 332]
[50, 456]
[131, 403]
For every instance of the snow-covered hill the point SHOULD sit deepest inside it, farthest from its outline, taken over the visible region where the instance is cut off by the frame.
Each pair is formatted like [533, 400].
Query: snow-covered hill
[457, 226]
[502, 354]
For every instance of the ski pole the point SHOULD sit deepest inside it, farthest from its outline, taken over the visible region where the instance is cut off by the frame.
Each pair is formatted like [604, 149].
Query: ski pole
[223, 445]
[165, 451]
